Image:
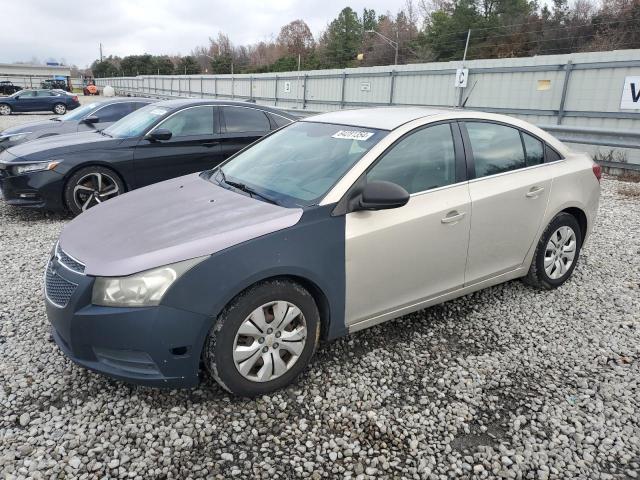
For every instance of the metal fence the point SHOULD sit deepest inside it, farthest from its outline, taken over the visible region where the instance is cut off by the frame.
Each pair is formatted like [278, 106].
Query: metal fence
[581, 90]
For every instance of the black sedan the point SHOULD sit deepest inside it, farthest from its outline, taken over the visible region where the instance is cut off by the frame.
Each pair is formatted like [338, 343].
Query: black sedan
[89, 117]
[157, 142]
[56, 101]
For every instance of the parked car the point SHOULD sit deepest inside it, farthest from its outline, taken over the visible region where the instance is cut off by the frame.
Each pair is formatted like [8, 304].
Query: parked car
[330, 225]
[157, 142]
[57, 102]
[8, 88]
[89, 117]
[50, 84]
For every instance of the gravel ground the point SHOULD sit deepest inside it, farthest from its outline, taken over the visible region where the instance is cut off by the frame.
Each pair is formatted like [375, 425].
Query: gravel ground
[505, 383]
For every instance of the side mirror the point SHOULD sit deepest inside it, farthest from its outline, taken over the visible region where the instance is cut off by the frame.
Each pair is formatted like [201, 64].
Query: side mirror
[91, 119]
[159, 135]
[379, 195]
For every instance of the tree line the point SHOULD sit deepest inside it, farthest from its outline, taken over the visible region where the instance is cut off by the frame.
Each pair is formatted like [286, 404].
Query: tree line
[426, 31]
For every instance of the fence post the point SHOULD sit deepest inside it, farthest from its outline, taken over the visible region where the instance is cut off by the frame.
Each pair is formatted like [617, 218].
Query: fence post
[233, 87]
[251, 87]
[201, 87]
[215, 87]
[344, 80]
[304, 91]
[275, 92]
[392, 86]
[565, 86]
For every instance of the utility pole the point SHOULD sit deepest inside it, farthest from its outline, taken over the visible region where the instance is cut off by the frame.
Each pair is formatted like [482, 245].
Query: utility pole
[389, 41]
[101, 52]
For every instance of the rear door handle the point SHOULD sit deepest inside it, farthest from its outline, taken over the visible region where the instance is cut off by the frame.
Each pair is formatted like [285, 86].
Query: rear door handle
[534, 192]
[453, 217]
[210, 144]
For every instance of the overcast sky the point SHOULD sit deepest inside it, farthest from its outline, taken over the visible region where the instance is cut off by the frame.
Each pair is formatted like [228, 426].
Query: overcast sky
[48, 29]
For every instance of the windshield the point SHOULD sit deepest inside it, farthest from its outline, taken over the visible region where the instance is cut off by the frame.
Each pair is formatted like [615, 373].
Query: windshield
[78, 113]
[135, 124]
[296, 166]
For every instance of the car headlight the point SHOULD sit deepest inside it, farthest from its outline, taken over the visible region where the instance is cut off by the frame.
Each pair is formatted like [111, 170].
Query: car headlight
[140, 289]
[34, 167]
[14, 137]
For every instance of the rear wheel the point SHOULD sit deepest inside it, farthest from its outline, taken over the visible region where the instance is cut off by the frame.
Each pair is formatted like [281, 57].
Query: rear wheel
[5, 109]
[263, 339]
[59, 109]
[557, 253]
[90, 186]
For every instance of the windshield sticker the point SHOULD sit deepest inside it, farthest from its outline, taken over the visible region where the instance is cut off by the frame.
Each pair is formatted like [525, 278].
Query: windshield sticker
[352, 135]
[158, 111]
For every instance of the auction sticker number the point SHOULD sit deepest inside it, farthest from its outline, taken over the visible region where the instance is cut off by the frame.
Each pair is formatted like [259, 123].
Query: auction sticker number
[352, 135]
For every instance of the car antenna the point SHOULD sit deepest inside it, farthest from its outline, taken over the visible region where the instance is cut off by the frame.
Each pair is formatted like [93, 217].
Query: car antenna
[470, 92]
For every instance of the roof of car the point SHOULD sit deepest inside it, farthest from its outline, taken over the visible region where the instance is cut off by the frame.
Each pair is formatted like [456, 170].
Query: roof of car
[127, 99]
[185, 102]
[384, 118]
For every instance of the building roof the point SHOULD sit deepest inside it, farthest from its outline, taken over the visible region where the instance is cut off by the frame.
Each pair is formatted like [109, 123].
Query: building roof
[384, 118]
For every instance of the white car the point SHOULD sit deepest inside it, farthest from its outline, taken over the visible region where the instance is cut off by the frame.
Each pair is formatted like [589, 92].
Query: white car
[329, 225]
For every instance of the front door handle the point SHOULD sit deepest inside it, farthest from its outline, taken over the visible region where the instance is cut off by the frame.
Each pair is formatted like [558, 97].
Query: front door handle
[210, 144]
[453, 217]
[534, 192]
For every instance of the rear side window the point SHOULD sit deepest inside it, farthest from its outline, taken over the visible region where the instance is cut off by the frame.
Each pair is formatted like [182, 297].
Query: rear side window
[45, 93]
[420, 161]
[534, 150]
[189, 122]
[241, 119]
[551, 155]
[279, 121]
[496, 148]
[113, 112]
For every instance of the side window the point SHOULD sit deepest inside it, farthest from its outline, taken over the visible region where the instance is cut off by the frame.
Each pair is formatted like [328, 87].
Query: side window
[421, 161]
[279, 121]
[191, 121]
[241, 119]
[45, 93]
[113, 112]
[551, 155]
[27, 93]
[136, 105]
[496, 148]
[534, 150]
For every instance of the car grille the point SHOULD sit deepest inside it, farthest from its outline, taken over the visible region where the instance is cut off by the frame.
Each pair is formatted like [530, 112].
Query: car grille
[68, 261]
[57, 289]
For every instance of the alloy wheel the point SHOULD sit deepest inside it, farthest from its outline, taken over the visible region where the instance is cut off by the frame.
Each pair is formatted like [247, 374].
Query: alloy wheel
[269, 341]
[60, 109]
[5, 110]
[94, 188]
[560, 252]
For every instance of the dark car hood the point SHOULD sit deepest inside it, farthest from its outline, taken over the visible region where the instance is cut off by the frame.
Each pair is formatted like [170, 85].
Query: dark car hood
[56, 145]
[30, 127]
[168, 222]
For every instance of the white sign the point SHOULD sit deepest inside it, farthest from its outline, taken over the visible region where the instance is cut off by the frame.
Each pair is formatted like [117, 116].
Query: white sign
[287, 87]
[352, 135]
[365, 86]
[461, 77]
[630, 94]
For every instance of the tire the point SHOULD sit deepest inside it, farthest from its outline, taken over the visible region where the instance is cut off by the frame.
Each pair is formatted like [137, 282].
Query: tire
[5, 109]
[556, 270]
[86, 182]
[59, 109]
[227, 349]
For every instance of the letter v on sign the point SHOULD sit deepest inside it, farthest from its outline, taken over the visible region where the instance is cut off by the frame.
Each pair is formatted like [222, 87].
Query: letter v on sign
[630, 94]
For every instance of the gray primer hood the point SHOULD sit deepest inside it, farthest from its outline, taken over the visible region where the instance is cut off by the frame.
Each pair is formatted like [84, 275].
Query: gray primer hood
[168, 222]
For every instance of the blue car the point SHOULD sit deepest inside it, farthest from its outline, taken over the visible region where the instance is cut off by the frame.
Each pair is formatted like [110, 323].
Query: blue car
[56, 101]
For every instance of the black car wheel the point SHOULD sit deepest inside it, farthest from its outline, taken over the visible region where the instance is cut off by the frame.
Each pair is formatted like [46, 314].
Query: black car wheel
[5, 109]
[263, 339]
[90, 186]
[59, 109]
[557, 253]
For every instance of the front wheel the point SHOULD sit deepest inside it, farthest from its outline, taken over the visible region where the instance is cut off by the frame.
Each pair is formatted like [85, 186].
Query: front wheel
[557, 253]
[59, 109]
[90, 186]
[263, 339]
[5, 109]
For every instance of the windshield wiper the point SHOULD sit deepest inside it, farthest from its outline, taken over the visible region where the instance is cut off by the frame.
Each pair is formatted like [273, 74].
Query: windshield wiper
[55, 119]
[102, 132]
[245, 188]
